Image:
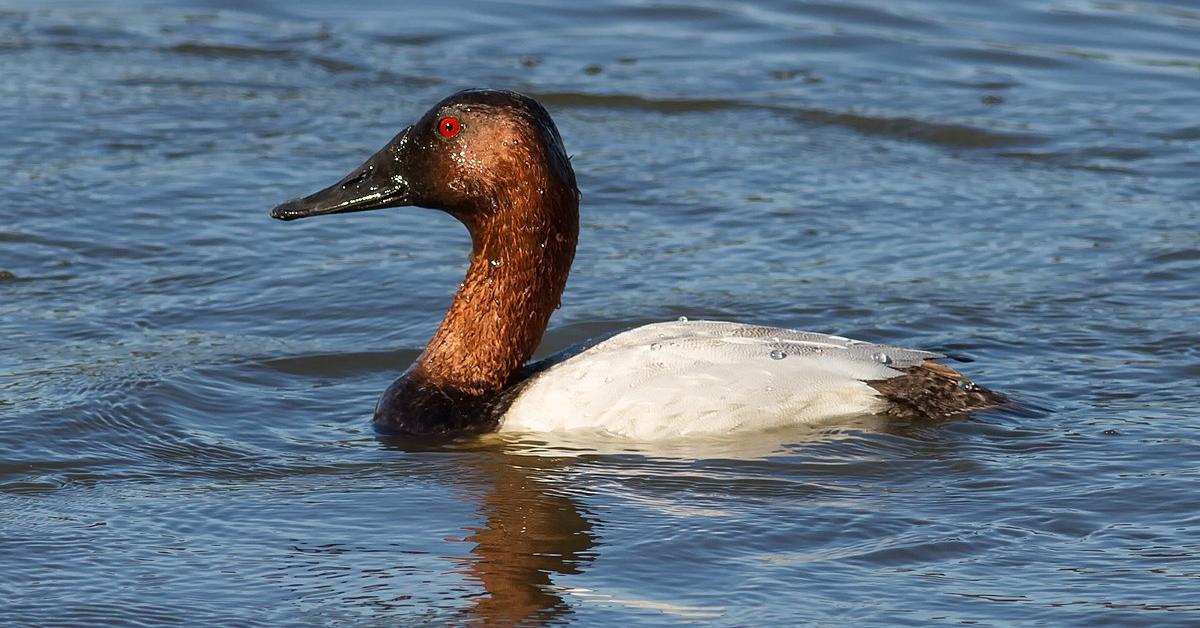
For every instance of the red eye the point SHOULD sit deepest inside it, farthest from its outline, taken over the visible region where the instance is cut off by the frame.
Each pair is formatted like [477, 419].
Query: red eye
[448, 127]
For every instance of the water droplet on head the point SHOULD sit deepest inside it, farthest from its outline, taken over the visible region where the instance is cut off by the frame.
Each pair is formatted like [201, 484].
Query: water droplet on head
[769, 388]
[882, 358]
[966, 385]
[683, 319]
[818, 350]
[655, 346]
[495, 263]
[778, 355]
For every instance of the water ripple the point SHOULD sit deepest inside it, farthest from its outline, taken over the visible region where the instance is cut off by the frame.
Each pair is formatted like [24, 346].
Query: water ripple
[186, 386]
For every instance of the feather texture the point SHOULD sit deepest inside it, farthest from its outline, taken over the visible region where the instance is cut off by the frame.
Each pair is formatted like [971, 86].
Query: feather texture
[684, 378]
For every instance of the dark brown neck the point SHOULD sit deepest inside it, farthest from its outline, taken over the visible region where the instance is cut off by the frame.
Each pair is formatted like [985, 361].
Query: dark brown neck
[521, 255]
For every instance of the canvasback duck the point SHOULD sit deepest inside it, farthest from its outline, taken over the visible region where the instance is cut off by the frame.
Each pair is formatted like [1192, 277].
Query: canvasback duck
[495, 161]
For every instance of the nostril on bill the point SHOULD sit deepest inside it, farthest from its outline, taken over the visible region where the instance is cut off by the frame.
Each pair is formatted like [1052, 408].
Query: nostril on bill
[358, 178]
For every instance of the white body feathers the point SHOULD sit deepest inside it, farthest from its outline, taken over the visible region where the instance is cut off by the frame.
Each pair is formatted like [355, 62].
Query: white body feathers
[685, 378]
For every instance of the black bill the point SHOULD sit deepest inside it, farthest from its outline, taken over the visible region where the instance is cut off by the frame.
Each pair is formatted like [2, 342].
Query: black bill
[378, 183]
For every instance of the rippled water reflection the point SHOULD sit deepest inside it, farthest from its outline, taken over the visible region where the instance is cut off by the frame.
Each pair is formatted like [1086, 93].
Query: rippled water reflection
[185, 385]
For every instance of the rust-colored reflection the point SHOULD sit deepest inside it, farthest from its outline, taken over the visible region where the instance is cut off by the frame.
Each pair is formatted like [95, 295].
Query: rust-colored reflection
[532, 533]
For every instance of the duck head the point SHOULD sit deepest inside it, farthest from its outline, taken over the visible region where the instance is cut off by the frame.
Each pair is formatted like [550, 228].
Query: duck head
[467, 155]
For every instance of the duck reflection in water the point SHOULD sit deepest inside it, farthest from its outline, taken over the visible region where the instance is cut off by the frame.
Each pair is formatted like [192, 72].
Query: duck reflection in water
[531, 534]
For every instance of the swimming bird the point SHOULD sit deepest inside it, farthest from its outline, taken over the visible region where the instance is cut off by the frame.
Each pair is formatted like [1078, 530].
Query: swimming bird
[495, 161]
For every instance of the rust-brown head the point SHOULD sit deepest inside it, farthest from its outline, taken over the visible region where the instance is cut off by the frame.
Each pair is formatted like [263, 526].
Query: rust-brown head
[465, 156]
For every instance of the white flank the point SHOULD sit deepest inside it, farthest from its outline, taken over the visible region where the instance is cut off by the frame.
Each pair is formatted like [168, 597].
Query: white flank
[682, 378]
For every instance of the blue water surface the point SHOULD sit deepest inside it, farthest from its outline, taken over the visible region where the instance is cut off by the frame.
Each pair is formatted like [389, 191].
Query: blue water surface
[186, 385]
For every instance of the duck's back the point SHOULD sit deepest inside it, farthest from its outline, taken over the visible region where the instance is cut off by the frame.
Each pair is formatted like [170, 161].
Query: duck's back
[705, 377]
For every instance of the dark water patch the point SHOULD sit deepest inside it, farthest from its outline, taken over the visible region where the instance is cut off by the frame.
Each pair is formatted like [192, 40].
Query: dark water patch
[860, 15]
[113, 250]
[938, 133]
[409, 39]
[623, 101]
[1078, 160]
[944, 134]
[341, 364]
[188, 280]
[805, 75]
[30, 487]
[204, 84]
[672, 13]
[394, 80]
[229, 51]
[80, 47]
[993, 54]
[991, 85]
[86, 34]
[336, 66]
[1189, 64]
[1185, 133]
[1117, 153]
[1183, 255]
